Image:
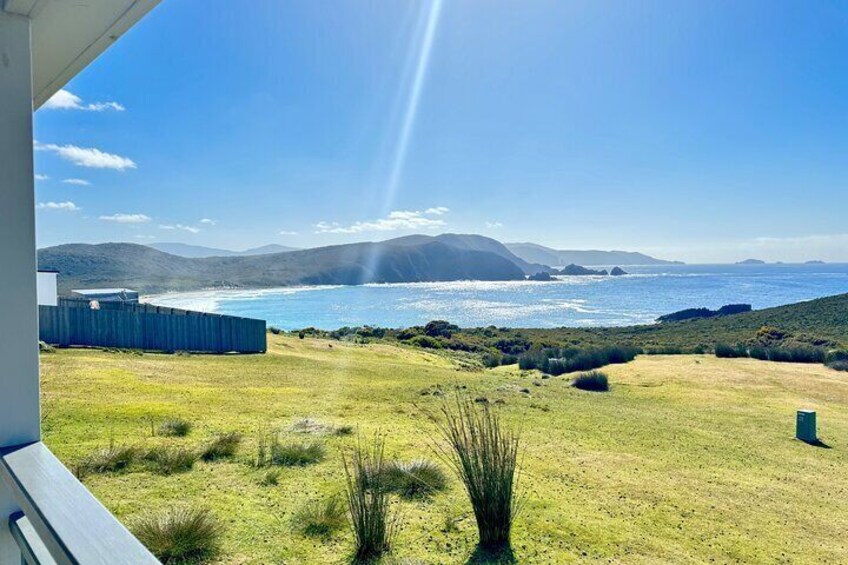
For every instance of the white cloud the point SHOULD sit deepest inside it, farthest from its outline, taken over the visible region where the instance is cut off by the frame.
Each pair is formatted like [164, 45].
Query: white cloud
[78, 182]
[87, 156]
[208, 221]
[127, 218]
[182, 227]
[146, 237]
[66, 100]
[64, 206]
[284, 232]
[494, 225]
[397, 220]
[41, 177]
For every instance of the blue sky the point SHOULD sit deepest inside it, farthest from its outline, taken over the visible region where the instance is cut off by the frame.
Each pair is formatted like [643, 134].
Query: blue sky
[701, 131]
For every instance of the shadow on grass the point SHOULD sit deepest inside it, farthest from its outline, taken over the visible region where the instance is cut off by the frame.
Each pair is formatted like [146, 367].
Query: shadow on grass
[490, 556]
[817, 443]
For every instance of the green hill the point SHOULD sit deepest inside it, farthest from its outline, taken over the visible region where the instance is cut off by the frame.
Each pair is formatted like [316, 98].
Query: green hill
[148, 270]
[821, 322]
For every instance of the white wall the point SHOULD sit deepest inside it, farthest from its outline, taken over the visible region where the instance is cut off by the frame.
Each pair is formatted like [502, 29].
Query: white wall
[19, 411]
[47, 293]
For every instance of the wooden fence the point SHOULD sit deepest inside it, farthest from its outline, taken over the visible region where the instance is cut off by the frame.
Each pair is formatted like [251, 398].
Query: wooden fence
[155, 328]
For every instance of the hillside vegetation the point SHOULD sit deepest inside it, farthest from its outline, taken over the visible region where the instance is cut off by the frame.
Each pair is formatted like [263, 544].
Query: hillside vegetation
[685, 458]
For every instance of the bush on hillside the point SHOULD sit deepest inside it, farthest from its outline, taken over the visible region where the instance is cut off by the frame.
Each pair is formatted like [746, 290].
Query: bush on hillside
[440, 328]
[726, 351]
[556, 362]
[425, 342]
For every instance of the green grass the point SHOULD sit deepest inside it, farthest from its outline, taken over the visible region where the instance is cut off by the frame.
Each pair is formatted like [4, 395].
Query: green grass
[688, 458]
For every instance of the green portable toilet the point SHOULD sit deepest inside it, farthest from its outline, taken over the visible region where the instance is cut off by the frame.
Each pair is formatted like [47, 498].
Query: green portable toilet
[805, 426]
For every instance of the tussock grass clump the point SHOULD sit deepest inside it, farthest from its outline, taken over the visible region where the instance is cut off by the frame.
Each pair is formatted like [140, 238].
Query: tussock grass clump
[221, 447]
[167, 460]
[483, 453]
[414, 479]
[594, 381]
[321, 518]
[372, 521]
[180, 535]
[108, 460]
[293, 454]
[270, 478]
[175, 427]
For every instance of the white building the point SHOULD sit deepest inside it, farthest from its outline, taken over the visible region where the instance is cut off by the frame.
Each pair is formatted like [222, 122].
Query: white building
[48, 294]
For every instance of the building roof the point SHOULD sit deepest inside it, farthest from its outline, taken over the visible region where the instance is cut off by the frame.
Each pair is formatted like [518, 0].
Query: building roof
[93, 291]
[67, 35]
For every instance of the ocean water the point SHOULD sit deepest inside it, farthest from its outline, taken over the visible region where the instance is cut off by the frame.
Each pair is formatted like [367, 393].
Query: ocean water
[639, 297]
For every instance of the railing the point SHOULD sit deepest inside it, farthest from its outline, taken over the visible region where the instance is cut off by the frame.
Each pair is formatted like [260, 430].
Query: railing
[61, 522]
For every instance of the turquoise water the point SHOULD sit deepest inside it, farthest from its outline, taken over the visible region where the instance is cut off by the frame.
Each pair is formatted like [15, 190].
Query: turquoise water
[636, 298]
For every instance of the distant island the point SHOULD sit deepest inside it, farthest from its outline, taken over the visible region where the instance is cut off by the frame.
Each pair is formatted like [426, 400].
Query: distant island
[751, 262]
[814, 262]
[535, 253]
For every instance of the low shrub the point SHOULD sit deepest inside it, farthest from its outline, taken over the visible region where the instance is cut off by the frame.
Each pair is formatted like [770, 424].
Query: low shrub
[275, 330]
[837, 355]
[180, 535]
[556, 362]
[415, 479]
[425, 342]
[222, 446]
[839, 365]
[484, 455]
[321, 518]
[509, 359]
[175, 427]
[167, 460]
[372, 521]
[108, 460]
[726, 351]
[490, 361]
[594, 381]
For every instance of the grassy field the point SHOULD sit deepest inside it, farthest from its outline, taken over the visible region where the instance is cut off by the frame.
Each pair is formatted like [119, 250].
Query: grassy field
[687, 459]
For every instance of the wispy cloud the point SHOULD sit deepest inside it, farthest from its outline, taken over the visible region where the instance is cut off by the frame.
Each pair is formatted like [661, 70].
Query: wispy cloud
[88, 156]
[41, 177]
[395, 221]
[64, 206]
[66, 100]
[494, 225]
[78, 182]
[145, 237]
[208, 221]
[127, 218]
[284, 232]
[190, 229]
